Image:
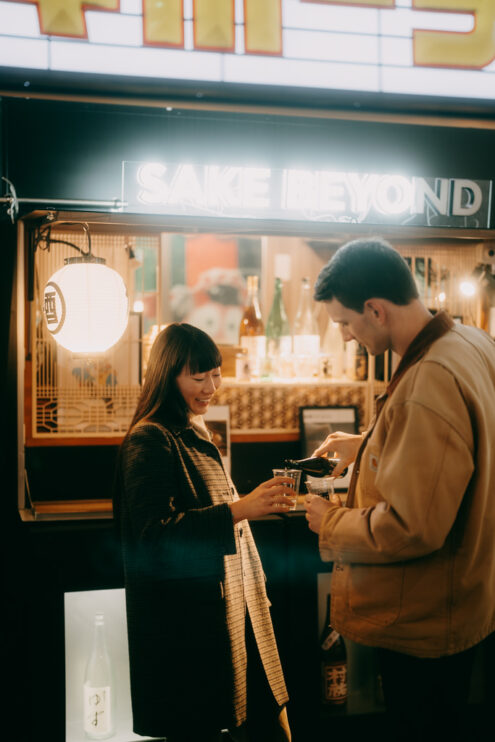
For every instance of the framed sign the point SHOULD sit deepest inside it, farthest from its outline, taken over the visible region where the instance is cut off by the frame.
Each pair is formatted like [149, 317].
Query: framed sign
[315, 423]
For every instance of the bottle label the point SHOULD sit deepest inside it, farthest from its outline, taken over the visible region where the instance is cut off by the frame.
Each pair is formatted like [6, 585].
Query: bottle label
[330, 640]
[97, 710]
[242, 367]
[279, 346]
[335, 682]
[254, 344]
[306, 345]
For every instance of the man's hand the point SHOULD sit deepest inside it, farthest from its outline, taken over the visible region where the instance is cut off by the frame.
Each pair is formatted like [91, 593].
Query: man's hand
[343, 446]
[317, 507]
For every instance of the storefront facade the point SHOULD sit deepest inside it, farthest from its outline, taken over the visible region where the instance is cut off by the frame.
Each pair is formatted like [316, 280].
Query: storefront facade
[252, 138]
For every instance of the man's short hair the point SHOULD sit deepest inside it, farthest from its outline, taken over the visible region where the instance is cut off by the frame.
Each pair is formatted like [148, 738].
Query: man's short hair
[364, 269]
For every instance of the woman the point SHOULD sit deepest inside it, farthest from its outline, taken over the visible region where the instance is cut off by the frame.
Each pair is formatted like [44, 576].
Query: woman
[197, 610]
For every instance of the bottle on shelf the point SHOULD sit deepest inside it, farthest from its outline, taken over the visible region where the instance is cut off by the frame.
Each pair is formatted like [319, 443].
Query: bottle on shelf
[252, 330]
[361, 363]
[306, 335]
[278, 334]
[332, 352]
[315, 466]
[306, 338]
[356, 361]
[333, 666]
[98, 689]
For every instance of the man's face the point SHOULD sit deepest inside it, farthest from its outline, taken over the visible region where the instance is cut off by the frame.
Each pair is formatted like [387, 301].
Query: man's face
[364, 327]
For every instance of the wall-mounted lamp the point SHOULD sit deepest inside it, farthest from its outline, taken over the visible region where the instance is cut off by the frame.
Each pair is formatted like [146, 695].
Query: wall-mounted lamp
[85, 303]
[467, 288]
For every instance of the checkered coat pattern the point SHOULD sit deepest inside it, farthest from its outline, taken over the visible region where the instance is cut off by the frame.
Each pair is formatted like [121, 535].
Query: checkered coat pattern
[190, 576]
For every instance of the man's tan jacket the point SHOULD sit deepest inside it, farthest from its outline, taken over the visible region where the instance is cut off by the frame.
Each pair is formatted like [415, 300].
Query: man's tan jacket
[414, 551]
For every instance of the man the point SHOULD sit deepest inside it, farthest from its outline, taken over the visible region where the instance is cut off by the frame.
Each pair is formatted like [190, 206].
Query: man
[414, 547]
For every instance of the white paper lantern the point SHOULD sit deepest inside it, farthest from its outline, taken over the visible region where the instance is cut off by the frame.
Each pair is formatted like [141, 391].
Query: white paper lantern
[86, 306]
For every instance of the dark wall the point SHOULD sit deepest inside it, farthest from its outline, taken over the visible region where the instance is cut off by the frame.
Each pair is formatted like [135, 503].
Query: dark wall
[75, 150]
[76, 556]
[15, 557]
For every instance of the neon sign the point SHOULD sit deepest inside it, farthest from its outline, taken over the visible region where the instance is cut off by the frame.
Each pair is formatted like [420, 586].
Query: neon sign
[186, 189]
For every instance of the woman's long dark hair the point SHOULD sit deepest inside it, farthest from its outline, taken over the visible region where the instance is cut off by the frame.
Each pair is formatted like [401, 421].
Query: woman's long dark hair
[178, 346]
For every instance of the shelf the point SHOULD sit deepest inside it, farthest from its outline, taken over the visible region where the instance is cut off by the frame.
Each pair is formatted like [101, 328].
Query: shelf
[114, 440]
[248, 436]
[263, 436]
[68, 510]
[302, 381]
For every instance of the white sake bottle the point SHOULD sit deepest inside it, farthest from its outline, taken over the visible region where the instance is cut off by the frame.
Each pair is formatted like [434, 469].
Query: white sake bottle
[98, 689]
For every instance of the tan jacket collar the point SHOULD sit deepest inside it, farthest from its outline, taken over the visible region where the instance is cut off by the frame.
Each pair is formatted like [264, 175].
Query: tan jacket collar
[436, 327]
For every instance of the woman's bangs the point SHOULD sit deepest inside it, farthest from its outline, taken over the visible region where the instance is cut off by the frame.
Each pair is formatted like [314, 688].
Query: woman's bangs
[204, 356]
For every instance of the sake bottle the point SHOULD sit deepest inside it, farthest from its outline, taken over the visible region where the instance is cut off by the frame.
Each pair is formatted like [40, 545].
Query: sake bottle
[356, 361]
[332, 351]
[333, 666]
[306, 335]
[98, 688]
[278, 335]
[315, 466]
[252, 331]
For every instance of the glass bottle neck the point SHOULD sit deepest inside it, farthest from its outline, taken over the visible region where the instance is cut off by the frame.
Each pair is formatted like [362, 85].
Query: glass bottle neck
[99, 638]
[252, 294]
[278, 309]
[305, 324]
[305, 300]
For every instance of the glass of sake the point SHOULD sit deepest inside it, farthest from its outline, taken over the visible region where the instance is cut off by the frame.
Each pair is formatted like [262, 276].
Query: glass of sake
[322, 486]
[294, 474]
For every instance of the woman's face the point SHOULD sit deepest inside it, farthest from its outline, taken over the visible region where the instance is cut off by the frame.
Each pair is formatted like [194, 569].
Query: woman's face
[198, 389]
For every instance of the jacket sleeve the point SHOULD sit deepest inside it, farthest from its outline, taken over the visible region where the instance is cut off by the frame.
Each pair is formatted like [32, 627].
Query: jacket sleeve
[180, 542]
[423, 472]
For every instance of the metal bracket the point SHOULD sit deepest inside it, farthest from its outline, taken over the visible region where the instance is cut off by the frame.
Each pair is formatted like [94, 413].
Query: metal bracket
[12, 200]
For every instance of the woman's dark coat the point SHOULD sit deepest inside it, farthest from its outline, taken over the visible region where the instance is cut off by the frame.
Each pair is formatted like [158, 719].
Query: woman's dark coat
[189, 576]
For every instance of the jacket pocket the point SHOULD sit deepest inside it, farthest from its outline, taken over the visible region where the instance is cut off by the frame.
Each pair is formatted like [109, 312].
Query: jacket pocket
[368, 472]
[374, 592]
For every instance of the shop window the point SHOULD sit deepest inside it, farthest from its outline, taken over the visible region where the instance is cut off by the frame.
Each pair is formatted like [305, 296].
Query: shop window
[201, 278]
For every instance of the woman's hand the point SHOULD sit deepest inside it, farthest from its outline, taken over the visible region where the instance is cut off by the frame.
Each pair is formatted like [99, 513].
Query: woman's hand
[343, 446]
[272, 496]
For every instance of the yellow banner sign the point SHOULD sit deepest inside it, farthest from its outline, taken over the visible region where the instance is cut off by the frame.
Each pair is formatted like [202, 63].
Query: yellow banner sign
[214, 25]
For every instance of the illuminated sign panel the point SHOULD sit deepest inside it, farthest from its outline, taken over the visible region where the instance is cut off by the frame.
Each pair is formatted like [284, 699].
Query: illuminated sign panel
[420, 47]
[326, 196]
